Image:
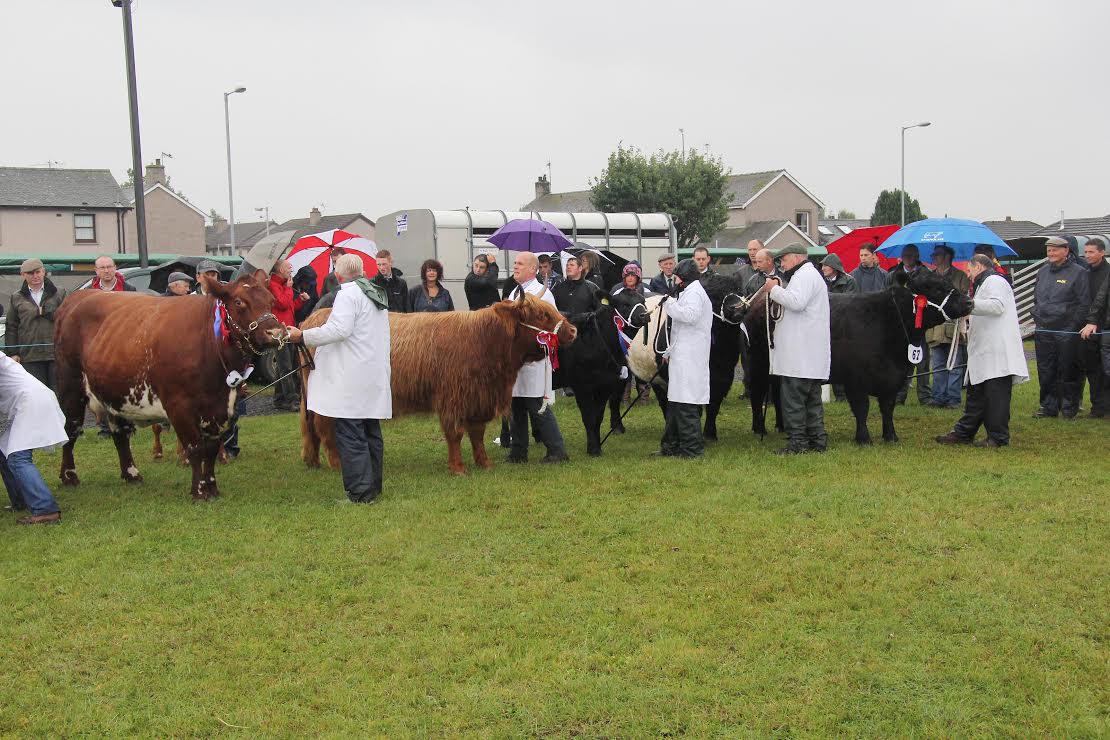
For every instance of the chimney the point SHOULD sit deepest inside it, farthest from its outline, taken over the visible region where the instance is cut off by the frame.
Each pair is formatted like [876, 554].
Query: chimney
[1009, 218]
[543, 186]
[219, 224]
[154, 173]
[314, 216]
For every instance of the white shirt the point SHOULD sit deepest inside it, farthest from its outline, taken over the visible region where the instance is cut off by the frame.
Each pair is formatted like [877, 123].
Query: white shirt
[691, 337]
[993, 338]
[352, 375]
[803, 348]
[29, 415]
[36, 295]
[534, 379]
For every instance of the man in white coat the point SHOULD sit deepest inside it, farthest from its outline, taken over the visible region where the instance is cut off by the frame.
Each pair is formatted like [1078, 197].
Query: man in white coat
[801, 353]
[29, 420]
[352, 375]
[995, 359]
[532, 394]
[687, 360]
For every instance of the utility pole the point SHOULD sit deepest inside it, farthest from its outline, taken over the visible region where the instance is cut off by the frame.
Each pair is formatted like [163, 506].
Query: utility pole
[136, 147]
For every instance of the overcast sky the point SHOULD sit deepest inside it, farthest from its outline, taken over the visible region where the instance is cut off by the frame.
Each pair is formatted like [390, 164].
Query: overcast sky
[378, 106]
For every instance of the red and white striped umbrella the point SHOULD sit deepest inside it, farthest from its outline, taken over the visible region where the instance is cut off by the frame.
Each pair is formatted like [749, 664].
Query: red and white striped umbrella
[316, 250]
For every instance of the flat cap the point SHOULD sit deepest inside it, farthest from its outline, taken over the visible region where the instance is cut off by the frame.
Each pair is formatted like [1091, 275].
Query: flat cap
[31, 265]
[207, 266]
[794, 248]
[176, 276]
[1055, 241]
[665, 257]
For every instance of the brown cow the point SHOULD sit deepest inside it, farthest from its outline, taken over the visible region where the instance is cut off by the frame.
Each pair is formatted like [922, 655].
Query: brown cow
[460, 365]
[138, 359]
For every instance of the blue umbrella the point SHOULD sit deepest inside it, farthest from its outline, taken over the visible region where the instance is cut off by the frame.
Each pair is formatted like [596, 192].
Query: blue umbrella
[529, 235]
[960, 234]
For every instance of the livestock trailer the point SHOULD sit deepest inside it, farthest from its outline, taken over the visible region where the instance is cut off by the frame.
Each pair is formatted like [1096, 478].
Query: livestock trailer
[455, 238]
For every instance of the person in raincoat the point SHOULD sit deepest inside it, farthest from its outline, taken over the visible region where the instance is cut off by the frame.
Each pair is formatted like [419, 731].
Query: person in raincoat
[688, 361]
[801, 355]
[29, 419]
[836, 280]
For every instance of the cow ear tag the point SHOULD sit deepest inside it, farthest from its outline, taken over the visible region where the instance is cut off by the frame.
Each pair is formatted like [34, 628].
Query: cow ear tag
[916, 355]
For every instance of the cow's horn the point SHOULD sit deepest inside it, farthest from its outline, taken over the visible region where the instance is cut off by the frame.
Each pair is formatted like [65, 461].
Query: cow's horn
[521, 295]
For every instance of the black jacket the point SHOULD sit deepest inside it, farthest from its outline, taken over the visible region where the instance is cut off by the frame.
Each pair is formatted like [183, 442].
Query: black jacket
[576, 296]
[658, 284]
[1096, 278]
[1099, 312]
[1061, 297]
[305, 282]
[481, 290]
[397, 289]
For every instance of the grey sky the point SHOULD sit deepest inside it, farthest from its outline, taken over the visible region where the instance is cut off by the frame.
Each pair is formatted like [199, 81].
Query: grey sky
[377, 106]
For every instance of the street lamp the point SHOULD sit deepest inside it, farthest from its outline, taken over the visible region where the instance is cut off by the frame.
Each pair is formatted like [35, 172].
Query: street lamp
[682, 133]
[230, 195]
[266, 210]
[923, 124]
[136, 148]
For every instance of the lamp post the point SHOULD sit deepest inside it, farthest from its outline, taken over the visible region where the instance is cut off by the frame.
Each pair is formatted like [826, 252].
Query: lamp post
[265, 209]
[682, 133]
[230, 194]
[136, 149]
[923, 124]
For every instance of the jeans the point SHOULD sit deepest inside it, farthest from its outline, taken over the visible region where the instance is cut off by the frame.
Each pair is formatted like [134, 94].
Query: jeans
[988, 405]
[947, 385]
[361, 449]
[803, 414]
[545, 425]
[26, 488]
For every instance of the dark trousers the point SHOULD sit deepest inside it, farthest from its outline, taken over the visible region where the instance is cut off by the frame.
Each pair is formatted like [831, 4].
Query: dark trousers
[682, 434]
[803, 415]
[230, 437]
[1058, 372]
[545, 424]
[361, 448]
[285, 392]
[988, 405]
[1090, 359]
[42, 371]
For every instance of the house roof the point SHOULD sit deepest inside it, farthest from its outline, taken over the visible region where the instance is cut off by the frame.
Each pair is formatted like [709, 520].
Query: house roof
[326, 223]
[740, 190]
[43, 187]
[838, 227]
[764, 231]
[1010, 229]
[246, 234]
[1077, 226]
[575, 201]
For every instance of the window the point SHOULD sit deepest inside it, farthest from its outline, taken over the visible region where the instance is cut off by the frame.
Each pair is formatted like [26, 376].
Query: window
[801, 220]
[84, 228]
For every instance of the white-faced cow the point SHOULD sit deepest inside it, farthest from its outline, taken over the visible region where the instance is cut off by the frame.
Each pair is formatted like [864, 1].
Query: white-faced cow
[138, 359]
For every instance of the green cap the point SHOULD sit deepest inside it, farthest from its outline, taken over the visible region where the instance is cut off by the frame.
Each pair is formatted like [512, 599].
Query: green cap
[794, 248]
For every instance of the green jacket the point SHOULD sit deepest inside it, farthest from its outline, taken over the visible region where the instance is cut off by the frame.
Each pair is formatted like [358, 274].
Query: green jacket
[843, 283]
[29, 323]
[943, 333]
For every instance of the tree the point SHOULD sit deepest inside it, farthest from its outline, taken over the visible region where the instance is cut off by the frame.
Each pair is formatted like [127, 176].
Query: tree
[690, 187]
[845, 214]
[213, 215]
[888, 209]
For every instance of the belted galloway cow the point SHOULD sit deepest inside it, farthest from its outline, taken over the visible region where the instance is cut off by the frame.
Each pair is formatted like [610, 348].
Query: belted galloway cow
[137, 359]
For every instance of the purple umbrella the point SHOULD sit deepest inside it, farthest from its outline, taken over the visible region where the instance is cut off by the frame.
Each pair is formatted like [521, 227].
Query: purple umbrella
[529, 235]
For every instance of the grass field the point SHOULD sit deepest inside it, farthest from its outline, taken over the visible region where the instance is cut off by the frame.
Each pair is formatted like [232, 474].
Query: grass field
[889, 591]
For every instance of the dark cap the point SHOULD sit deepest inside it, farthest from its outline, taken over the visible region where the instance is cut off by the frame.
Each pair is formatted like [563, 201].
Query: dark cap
[208, 266]
[794, 248]
[1056, 241]
[665, 257]
[687, 269]
[177, 276]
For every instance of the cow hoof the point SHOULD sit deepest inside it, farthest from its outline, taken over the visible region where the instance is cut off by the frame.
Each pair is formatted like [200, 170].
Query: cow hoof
[709, 436]
[863, 442]
[132, 478]
[593, 453]
[458, 471]
[617, 430]
[891, 439]
[69, 478]
[157, 455]
[486, 464]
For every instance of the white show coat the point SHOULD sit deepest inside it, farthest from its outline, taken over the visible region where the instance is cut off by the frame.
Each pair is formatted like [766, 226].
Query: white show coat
[351, 379]
[29, 415]
[691, 336]
[802, 343]
[993, 338]
[534, 378]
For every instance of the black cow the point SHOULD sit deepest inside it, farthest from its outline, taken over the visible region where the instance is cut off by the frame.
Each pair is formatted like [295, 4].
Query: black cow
[592, 368]
[871, 334]
[755, 351]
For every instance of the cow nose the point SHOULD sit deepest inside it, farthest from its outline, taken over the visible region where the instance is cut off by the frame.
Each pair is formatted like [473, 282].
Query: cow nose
[277, 333]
